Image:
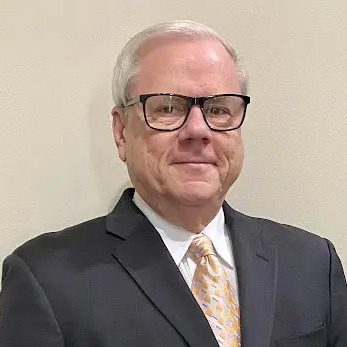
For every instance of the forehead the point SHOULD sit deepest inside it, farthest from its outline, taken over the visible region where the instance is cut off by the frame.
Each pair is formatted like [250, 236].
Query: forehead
[190, 66]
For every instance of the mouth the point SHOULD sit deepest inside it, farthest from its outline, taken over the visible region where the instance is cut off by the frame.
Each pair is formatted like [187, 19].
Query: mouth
[194, 163]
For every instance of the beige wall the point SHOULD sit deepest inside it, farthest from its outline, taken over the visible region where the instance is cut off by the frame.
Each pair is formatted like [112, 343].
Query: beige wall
[57, 160]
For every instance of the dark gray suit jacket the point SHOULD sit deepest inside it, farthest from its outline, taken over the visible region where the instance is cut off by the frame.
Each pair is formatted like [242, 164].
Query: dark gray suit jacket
[111, 282]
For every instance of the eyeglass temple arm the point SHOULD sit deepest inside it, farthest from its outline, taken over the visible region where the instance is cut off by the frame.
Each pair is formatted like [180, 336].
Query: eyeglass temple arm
[132, 101]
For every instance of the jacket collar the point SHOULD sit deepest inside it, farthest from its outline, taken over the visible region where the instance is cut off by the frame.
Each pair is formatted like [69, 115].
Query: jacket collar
[145, 258]
[256, 267]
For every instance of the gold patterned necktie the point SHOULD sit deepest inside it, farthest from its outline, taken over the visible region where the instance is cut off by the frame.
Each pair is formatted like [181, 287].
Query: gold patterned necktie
[214, 294]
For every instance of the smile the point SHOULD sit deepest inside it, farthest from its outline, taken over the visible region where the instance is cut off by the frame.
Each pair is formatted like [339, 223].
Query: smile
[194, 163]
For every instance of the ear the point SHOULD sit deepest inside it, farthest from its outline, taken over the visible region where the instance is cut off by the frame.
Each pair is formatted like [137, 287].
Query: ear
[118, 127]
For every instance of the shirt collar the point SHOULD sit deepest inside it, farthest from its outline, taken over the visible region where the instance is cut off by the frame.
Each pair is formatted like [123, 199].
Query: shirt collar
[177, 239]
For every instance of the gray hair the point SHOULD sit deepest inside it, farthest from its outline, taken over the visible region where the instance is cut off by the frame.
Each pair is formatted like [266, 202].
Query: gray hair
[126, 67]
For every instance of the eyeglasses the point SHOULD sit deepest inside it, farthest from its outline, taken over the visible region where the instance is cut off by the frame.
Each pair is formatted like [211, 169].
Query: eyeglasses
[168, 112]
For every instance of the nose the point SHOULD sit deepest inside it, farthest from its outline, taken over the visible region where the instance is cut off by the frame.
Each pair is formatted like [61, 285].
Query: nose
[195, 127]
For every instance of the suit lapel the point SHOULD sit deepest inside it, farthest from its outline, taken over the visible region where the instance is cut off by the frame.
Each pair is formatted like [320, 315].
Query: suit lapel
[144, 256]
[256, 264]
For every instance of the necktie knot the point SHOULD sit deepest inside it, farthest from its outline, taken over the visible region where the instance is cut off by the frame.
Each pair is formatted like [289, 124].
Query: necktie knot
[201, 246]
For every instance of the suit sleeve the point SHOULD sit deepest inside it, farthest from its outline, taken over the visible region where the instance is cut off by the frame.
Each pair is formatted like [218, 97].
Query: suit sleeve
[337, 329]
[26, 317]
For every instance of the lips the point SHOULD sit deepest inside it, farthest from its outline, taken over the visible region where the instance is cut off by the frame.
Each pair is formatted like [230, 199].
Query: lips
[197, 162]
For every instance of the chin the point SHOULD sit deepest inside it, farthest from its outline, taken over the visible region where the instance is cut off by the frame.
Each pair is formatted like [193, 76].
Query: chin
[197, 193]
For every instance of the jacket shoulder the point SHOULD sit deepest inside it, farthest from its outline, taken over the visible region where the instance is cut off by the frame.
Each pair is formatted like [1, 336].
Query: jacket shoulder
[283, 236]
[71, 243]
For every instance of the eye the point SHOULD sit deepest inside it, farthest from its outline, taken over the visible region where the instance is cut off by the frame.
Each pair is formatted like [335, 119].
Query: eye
[167, 109]
[171, 108]
[218, 111]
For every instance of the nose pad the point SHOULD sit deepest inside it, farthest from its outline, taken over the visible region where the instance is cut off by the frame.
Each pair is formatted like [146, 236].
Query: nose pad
[196, 116]
[195, 127]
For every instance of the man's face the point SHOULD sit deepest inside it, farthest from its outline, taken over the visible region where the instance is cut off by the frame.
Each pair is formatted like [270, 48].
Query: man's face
[192, 165]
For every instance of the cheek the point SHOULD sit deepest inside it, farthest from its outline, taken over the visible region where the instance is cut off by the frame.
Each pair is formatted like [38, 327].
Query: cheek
[233, 156]
[146, 157]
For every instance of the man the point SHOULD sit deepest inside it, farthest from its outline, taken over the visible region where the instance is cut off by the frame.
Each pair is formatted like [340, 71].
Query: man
[173, 264]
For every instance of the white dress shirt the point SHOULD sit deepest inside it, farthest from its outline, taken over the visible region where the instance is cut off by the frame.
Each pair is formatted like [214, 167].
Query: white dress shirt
[177, 240]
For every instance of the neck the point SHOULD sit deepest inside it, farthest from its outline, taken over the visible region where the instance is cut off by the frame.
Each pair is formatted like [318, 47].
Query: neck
[192, 217]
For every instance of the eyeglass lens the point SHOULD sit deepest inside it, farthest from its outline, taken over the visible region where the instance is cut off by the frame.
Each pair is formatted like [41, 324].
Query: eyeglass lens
[170, 111]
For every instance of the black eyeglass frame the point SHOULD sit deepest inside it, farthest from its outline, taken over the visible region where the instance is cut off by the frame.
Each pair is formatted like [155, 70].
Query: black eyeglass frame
[192, 101]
